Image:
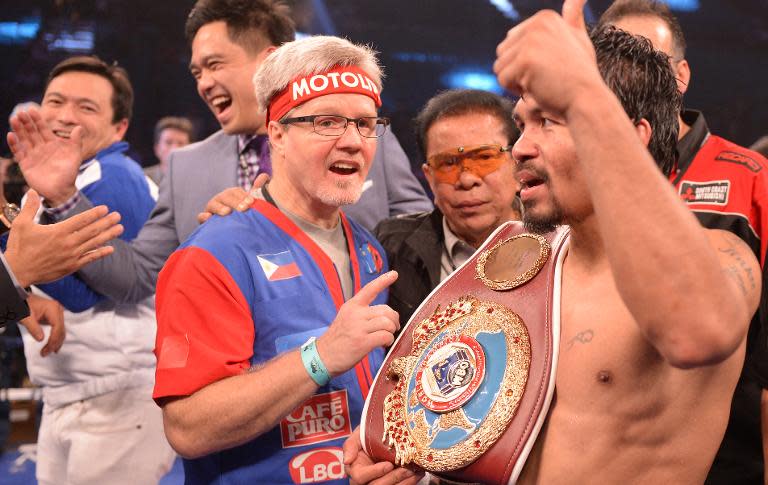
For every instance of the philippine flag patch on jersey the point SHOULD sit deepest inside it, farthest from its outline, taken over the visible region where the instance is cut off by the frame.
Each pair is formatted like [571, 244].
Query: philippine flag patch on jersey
[279, 266]
[371, 258]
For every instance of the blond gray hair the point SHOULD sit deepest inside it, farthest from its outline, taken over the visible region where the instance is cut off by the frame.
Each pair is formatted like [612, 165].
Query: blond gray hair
[311, 55]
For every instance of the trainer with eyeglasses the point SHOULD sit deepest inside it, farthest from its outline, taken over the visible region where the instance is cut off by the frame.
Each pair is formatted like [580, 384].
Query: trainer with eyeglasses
[465, 136]
[272, 322]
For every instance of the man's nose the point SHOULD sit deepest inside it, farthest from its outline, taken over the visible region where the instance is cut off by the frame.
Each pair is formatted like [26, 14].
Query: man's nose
[204, 82]
[467, 178]
[524, 149]
[65, 114]
[351, 138]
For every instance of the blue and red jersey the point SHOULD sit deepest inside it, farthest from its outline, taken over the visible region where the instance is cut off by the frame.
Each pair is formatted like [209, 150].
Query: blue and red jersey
[241, 290]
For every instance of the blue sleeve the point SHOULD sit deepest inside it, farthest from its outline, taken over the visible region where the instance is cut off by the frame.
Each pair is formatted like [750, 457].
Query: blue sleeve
[72, 293]
[121, 186]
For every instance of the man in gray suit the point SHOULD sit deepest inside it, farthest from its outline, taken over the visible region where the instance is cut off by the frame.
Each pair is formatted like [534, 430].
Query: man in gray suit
[229, 41]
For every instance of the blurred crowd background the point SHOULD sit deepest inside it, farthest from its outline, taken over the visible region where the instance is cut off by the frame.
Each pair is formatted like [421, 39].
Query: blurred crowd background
[425, 45]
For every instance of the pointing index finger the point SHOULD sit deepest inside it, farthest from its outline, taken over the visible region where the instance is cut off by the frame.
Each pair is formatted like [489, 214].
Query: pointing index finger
[369, 292]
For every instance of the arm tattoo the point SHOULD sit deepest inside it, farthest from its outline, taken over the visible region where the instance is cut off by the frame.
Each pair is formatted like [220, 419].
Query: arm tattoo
[733, 273]
[739, 268]
[583, 337]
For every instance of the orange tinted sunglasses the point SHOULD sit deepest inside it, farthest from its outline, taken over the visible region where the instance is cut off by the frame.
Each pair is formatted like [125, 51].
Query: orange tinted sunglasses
[477, 159]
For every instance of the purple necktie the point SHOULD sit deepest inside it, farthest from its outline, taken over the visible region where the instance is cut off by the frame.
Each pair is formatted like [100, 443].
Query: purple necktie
[260, 145]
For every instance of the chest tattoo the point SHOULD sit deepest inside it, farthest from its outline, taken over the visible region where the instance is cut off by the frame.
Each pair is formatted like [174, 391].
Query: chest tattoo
[583, 337]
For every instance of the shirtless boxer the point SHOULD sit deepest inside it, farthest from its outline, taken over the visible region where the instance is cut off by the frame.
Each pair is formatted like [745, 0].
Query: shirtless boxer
[650, 349]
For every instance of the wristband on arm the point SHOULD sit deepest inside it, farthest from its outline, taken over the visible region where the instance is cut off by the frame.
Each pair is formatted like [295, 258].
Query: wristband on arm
[313, 364]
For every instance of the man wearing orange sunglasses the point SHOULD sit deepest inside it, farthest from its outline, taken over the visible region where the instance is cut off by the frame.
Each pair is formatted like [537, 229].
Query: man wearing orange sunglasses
[465, 137]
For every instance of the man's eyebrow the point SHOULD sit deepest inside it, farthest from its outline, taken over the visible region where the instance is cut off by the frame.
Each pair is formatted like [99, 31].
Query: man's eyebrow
[76, 99]
[534, 112]
[203, 61]
[194, 65]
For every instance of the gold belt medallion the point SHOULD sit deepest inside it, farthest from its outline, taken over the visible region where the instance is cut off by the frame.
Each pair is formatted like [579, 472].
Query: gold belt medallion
[459, 388]
[512, 262]
[461, 384]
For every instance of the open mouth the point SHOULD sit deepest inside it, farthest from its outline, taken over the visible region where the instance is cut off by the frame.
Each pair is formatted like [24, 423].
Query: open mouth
[220, 103]
[530, 183]
[62, 134]
[344, 168]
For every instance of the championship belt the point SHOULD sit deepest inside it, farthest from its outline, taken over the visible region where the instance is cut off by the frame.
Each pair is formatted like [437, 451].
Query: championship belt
[467, 385]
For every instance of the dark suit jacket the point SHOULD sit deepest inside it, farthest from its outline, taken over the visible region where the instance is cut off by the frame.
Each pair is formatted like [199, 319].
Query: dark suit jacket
[414, 246]
[12, 306]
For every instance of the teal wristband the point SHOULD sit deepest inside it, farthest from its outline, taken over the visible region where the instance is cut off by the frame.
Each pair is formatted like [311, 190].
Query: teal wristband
[313, 364]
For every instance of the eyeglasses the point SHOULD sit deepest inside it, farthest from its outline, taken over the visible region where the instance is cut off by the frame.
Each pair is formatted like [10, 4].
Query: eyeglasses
[477, 159]
[334, 125]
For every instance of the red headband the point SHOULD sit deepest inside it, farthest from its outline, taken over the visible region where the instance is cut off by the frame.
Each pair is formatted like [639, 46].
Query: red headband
[349, 79]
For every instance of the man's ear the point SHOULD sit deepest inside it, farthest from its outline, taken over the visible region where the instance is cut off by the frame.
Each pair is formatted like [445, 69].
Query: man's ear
[266, 52]
[120, 128]
[644, 131]
[276, 133]
[683, 75]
